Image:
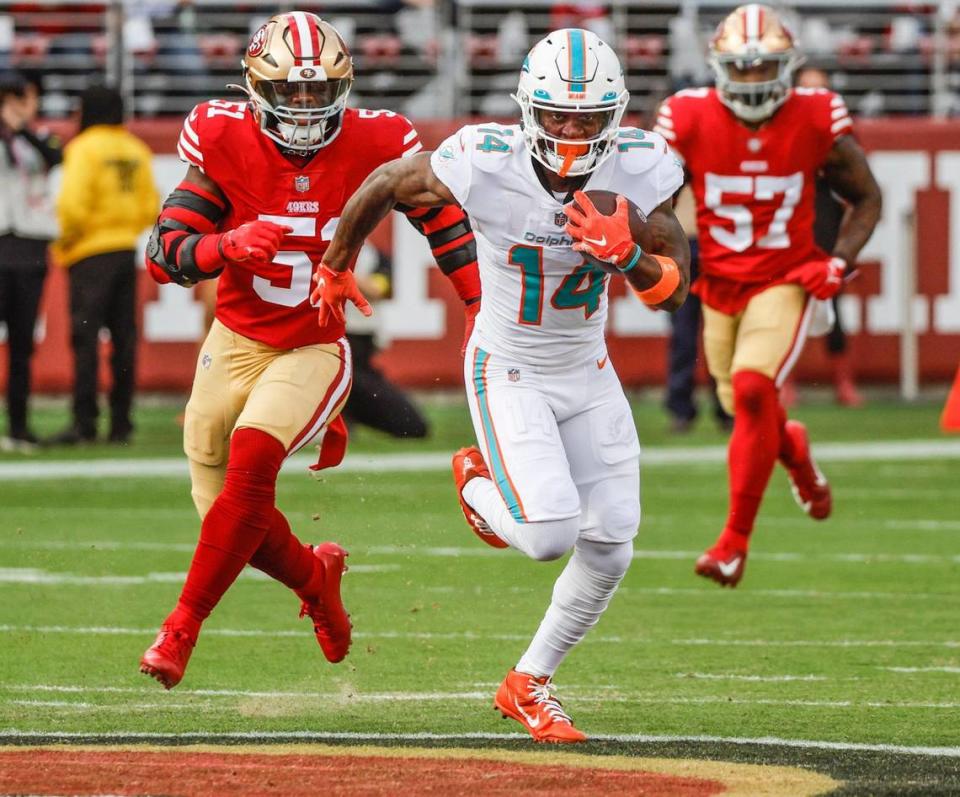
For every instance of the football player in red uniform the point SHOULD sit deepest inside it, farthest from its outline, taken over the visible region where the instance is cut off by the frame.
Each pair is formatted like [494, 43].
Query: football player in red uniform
[266, 183]
[752, 148]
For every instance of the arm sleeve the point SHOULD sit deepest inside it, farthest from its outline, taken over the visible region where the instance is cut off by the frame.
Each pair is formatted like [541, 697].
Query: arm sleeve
[841, 124]
[669, 125]
[452, 163]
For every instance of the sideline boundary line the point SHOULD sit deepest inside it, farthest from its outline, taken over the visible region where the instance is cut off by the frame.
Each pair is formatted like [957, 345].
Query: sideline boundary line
[13, 735]
[176, 467]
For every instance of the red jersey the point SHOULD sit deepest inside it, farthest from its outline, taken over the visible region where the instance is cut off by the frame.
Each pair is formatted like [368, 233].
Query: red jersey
[271, 302]
[754, 189]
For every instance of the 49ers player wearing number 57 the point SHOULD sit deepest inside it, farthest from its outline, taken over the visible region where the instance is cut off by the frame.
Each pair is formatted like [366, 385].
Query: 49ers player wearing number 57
[267, 181]
[752, 148]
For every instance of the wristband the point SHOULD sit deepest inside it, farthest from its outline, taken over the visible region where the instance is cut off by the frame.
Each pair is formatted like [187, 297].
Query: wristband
[634, 259]
[665, 286]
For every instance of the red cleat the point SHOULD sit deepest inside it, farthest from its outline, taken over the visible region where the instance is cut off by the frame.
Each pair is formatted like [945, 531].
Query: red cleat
[723, 565]
[810, 487]
[468, 464]
[531, 702]
[166, 659]
[322, 601]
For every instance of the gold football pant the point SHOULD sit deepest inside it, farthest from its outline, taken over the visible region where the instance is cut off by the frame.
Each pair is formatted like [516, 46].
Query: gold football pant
[767, 336]
[291, 394]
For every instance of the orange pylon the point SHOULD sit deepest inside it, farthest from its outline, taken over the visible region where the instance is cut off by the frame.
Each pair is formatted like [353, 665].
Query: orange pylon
[950, 419]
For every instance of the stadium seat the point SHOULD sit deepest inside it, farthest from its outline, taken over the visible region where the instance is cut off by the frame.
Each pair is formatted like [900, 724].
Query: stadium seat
[220, 49]
[30, 48]
[380, 49]
[644, 50]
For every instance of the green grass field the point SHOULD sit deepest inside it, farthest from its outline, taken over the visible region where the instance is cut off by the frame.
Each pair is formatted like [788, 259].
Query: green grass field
[846, 631]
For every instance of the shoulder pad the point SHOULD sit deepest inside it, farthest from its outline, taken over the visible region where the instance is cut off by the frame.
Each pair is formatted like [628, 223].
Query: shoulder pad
[492, 145]
[639, 150]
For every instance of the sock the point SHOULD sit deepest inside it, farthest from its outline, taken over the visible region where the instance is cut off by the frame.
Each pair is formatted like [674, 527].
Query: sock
[282, 556]
[752, 453]
[234, 528]
[580, 595]
[543, 541]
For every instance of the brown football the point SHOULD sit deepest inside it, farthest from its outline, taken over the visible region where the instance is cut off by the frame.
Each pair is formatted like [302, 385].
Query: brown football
[606, 203]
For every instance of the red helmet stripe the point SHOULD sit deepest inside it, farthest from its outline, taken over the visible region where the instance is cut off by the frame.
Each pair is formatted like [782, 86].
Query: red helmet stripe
[305, 45]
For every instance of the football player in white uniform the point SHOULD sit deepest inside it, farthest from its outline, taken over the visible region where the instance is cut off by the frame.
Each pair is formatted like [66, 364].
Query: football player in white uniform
[558, 461]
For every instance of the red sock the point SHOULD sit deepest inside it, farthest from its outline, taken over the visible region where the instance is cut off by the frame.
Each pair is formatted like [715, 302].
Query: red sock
[282, 556]
[234, 527]
[753, 450]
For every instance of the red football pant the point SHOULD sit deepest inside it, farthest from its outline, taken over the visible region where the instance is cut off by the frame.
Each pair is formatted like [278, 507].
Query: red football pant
[240, 521]
[755, 445]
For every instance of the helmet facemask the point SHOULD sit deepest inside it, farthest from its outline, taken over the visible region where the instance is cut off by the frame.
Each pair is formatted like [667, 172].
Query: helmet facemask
[569, 157]
[301, 116]
[754, 101]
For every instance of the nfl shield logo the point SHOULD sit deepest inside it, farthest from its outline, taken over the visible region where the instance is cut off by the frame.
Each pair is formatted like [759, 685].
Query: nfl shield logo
[559, 219]
[301, 183]
[513, 374]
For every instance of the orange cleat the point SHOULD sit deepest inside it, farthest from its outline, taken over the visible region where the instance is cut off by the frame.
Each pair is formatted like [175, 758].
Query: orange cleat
[322, 601]
[810, 487]
[468, 464]
[531, 702]
[723, 565]
[166, 659]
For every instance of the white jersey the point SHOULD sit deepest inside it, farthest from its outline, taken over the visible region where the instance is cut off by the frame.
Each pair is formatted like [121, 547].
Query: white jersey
[542, 302]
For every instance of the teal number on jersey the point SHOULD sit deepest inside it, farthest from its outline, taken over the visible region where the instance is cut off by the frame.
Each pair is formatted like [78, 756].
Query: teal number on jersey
[530, 260]
[634, 138]
[493, 139]
[573, 294]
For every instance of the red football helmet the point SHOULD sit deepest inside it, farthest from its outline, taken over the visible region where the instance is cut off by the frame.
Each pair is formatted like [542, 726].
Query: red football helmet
[298, 73]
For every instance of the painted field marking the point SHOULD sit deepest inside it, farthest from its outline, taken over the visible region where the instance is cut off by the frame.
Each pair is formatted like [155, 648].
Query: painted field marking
[638, 738]
[30, 575]
[862, 451]
[951, 670]
[719, 676]
[391, 697]
[472, 636]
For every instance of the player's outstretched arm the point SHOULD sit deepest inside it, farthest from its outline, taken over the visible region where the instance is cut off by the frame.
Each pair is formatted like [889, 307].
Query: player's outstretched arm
[848, 173]
[408, 181]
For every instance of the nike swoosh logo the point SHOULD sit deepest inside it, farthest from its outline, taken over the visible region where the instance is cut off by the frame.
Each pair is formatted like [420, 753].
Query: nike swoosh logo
[601, 363]
[533, 722]
[729, 568]
[601, 242]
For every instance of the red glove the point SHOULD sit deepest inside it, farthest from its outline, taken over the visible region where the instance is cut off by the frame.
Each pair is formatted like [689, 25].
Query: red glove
[606, 238]
[333, 289]
[470, 311]
[255, 240]
[822, 279]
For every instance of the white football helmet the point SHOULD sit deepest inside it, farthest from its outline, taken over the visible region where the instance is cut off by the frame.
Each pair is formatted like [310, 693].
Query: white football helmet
[571, 70]
[753, 36]
[298, 73]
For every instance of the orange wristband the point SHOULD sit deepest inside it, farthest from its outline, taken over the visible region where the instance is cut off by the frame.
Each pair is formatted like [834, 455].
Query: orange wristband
[666, 285]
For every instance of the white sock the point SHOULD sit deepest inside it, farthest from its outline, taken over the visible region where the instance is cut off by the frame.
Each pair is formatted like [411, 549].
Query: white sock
[580, 596]
[544, 540]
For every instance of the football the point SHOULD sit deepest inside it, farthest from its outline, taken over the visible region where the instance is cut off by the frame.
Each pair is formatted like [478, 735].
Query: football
[606, 203]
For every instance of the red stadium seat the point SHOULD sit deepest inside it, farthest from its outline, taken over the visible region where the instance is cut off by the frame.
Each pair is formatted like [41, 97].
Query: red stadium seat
[30, 48]
[381, 50]
[220, 49]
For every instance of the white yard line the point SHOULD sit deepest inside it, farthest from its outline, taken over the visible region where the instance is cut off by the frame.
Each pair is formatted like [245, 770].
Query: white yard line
[471, 636]
[440, 697]
[863, 451]
[320, 736]
[721, 676]
[950, 670]
[36, 577]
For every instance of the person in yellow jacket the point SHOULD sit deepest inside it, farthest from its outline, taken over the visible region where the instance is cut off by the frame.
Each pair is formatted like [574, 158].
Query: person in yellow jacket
[107, 198]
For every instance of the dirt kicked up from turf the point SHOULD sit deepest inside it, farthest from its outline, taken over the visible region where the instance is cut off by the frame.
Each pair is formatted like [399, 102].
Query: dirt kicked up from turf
[295, 770]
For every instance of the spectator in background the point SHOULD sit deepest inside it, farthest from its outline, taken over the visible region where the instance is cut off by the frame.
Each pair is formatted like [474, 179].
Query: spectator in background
[27, 225]
[829, 212]
[374, 400]
[685, 337]
[107, 199]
